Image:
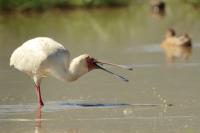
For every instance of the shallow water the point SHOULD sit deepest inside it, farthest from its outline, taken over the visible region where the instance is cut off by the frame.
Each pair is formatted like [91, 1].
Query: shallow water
[159, 97]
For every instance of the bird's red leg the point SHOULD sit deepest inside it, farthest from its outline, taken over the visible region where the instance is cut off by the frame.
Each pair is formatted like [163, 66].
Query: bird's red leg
[39, 97]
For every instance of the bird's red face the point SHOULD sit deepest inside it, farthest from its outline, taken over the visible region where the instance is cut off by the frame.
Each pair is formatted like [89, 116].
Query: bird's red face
[91, 63]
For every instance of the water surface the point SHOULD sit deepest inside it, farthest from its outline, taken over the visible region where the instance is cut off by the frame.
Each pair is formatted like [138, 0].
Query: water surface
[99, 102]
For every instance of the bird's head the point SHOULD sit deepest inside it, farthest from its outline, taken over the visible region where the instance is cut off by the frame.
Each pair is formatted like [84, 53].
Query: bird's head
[85, 63]
[170, 33]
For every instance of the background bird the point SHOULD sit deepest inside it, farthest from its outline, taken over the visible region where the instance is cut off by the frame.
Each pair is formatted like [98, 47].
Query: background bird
[176, 46]
[42, 56]
[158, 6]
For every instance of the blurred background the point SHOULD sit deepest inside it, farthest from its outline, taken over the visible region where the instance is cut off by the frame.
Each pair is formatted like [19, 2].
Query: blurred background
[122, 31]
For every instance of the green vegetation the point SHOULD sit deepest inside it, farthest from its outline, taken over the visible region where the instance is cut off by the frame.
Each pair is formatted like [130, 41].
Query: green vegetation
[24, 5]
[194, 2]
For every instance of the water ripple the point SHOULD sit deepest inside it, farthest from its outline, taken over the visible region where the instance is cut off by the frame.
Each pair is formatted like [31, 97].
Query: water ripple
[63, 105]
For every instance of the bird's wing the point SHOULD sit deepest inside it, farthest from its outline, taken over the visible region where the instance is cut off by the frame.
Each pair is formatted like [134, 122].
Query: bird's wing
[34, 52]
[56, 64]
[27, 60]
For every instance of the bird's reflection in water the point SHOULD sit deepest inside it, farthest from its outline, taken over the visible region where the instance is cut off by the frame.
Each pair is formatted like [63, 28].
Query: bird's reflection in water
[158, 15]
[176, 47]
[38, 124]
[38, 121]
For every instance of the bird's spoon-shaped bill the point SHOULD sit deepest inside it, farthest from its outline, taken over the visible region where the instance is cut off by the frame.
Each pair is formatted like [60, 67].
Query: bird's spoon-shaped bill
[116, 65]
[99, 63]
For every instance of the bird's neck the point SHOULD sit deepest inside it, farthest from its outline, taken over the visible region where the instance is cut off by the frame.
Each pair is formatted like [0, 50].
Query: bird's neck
[76, 69]
[71, 75]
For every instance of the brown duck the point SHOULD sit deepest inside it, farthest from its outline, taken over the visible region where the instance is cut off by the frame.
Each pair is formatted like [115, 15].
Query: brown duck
[176, 46]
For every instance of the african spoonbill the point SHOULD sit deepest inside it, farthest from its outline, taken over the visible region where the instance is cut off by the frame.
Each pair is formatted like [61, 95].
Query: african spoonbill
[43, 56]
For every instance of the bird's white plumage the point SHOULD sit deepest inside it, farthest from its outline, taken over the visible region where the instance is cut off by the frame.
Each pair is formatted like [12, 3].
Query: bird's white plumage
[40, 57]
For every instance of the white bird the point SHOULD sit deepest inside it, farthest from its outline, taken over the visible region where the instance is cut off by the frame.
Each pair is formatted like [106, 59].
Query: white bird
[42, 56]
